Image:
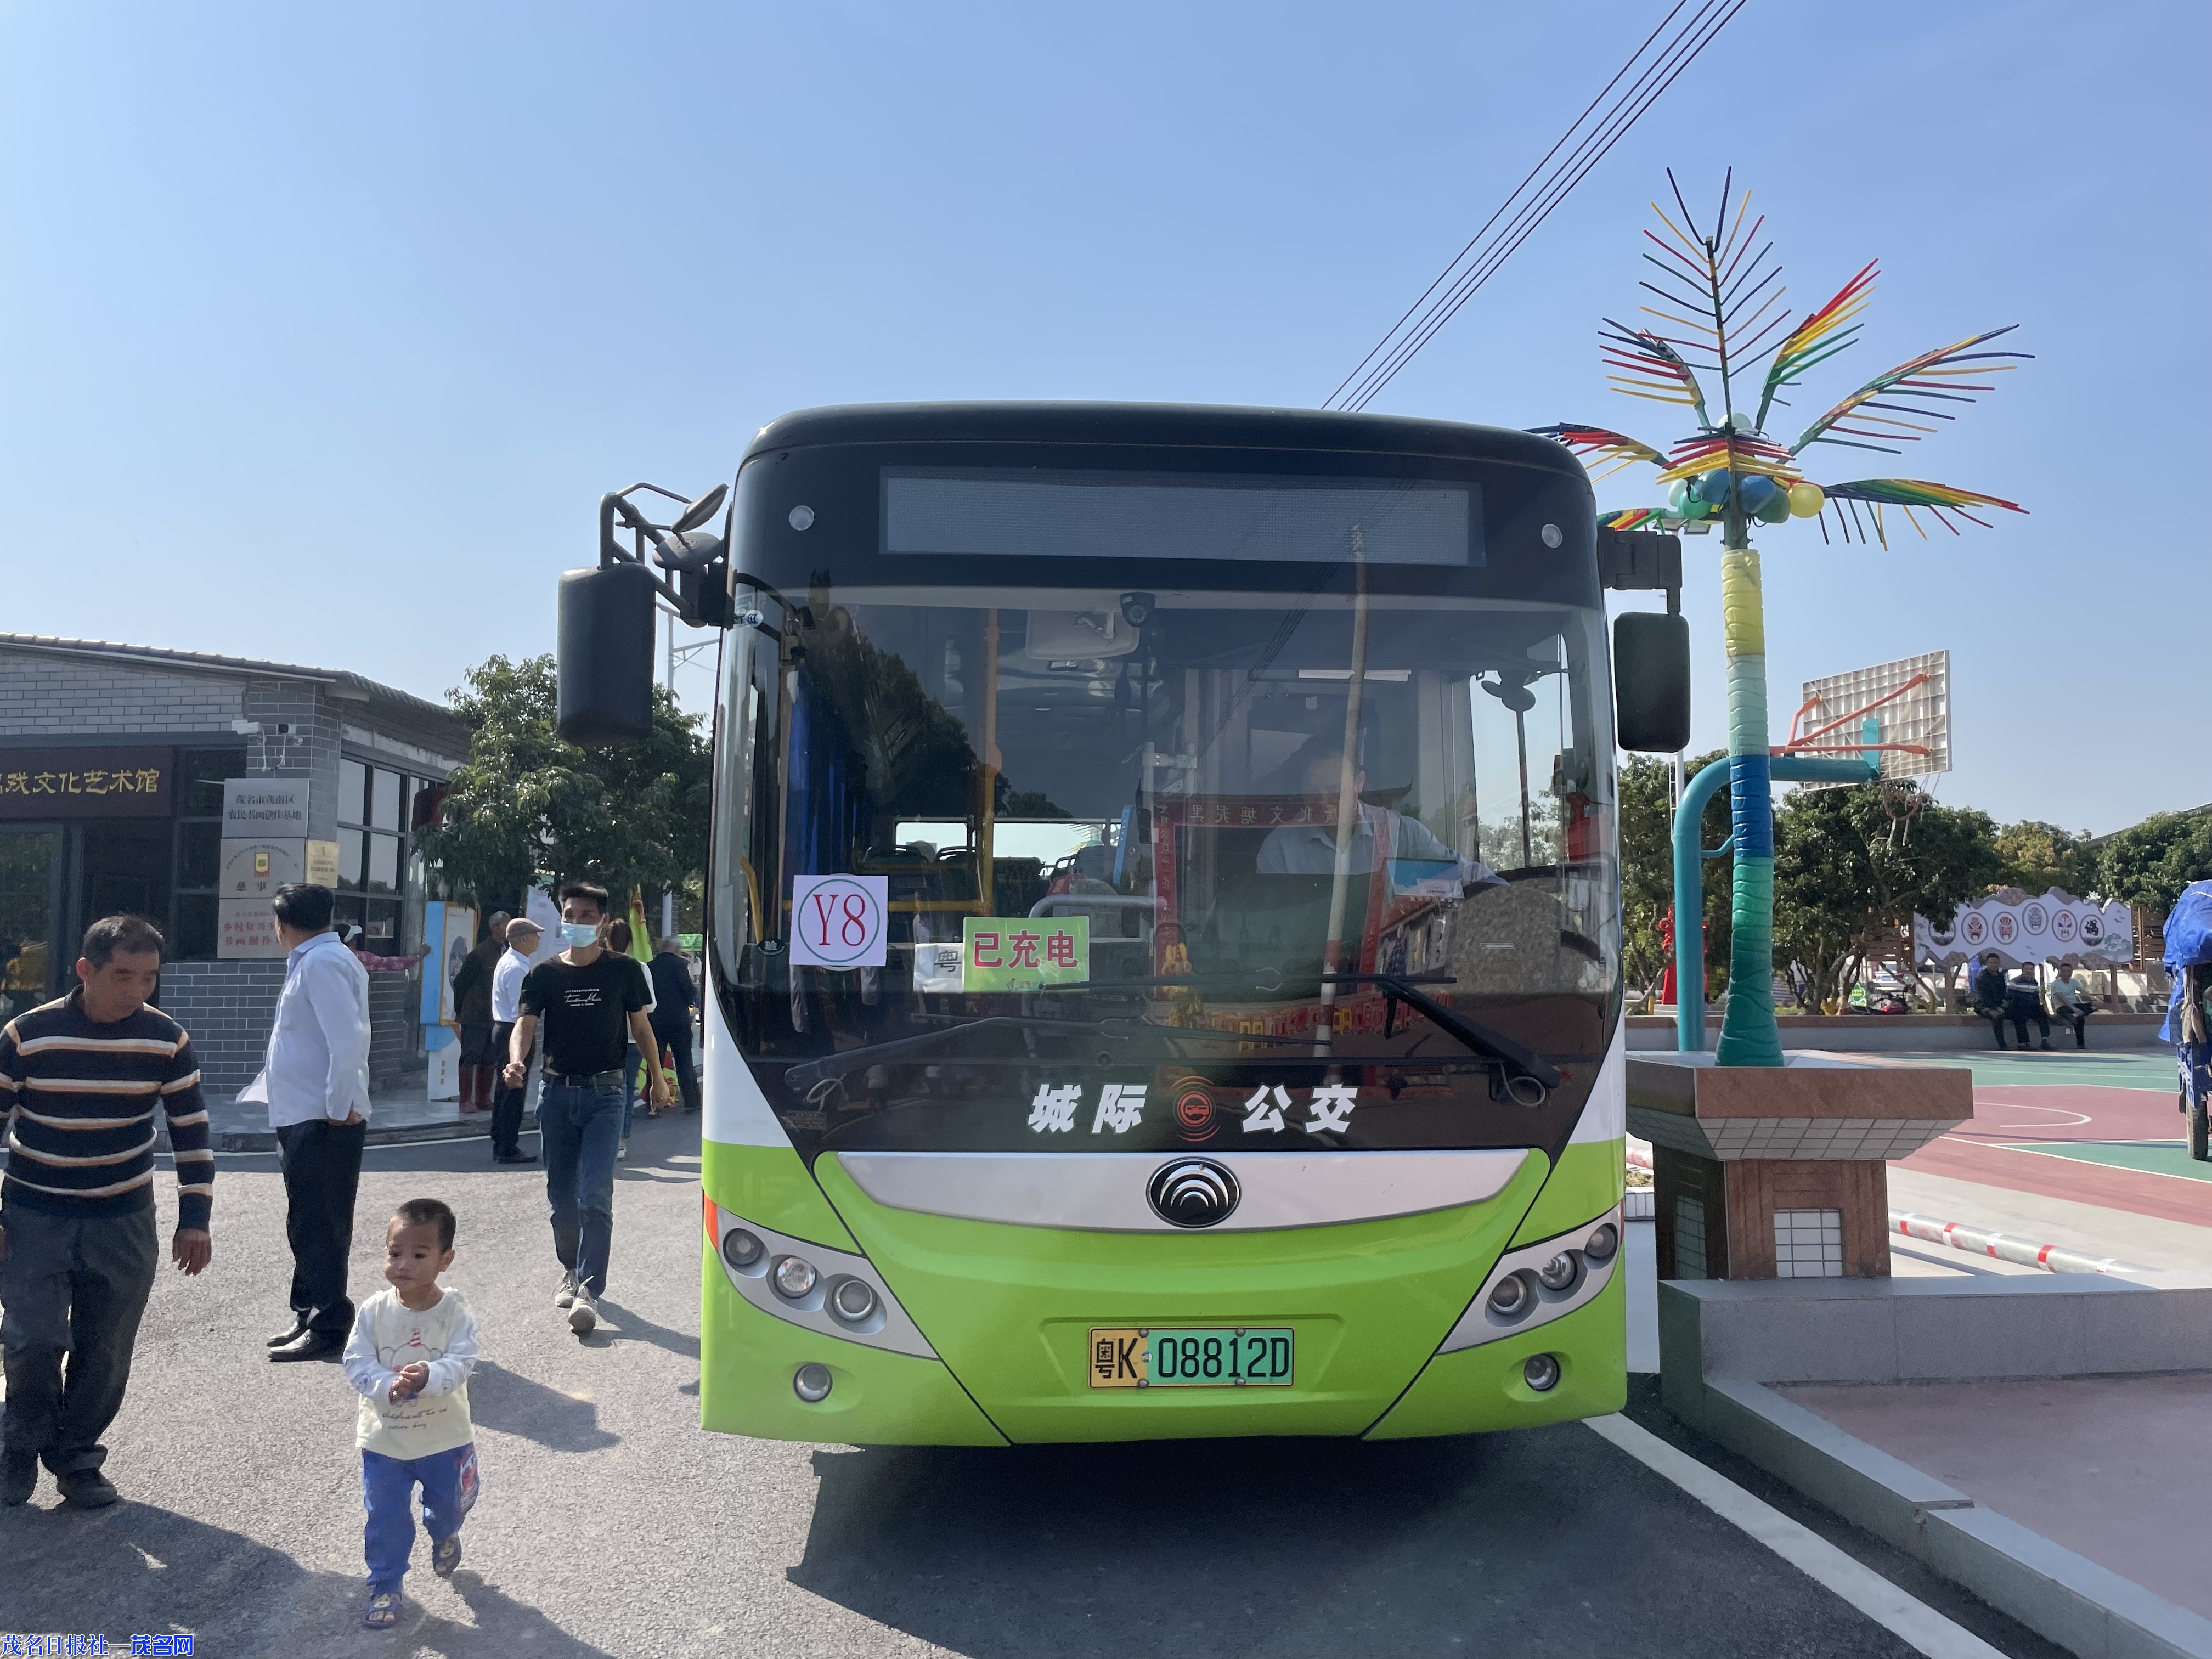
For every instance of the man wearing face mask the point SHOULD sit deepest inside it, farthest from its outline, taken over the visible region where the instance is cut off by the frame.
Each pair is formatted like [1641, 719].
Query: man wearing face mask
[590, 1003]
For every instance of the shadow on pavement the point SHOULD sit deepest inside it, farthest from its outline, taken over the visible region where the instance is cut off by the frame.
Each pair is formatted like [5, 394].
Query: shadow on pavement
[134, 1570]
[516, 1404]
[632, 1326]
[1541, 1541]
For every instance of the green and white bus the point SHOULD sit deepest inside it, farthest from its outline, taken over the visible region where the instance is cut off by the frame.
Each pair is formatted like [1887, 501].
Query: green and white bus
[1163, 930]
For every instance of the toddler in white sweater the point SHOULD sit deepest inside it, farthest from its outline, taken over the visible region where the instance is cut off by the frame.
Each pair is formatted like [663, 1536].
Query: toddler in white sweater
[412, 1349]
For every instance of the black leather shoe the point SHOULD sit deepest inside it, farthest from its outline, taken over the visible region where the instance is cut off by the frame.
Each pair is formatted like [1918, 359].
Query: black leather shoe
[299, 1329]
[18, 1478]
[309, 1345]
[516, 1157]
[86, 1489]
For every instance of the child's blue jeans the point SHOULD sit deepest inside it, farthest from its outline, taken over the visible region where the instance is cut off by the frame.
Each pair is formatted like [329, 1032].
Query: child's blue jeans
[448, 1479]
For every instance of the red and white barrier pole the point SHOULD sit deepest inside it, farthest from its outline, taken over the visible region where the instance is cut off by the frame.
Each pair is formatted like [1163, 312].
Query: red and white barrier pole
[2049, 1257]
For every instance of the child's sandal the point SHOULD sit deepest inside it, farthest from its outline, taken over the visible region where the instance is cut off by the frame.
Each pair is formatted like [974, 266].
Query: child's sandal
[383, 1610]
[446, 1555]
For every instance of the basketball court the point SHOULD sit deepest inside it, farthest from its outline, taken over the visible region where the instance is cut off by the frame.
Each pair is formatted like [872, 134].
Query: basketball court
[2096, 1128]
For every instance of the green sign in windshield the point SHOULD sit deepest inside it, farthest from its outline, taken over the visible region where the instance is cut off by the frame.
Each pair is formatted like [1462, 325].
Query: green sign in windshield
[1020, 953]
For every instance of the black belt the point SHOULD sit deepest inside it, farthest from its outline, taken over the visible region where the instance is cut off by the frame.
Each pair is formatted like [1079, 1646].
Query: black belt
[610, 1078]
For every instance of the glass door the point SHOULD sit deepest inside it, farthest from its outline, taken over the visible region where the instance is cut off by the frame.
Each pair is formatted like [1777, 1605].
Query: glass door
[30, 882]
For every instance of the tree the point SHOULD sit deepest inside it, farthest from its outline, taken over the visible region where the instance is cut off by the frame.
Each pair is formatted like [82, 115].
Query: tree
[2147, 865]
[1719, 289]
[1848, 878]
[528, 804]
[2038, 856]
[1647, 871]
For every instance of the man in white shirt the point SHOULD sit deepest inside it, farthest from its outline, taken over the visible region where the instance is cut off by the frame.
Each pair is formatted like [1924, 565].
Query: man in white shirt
[522, 937]
[315, 1081]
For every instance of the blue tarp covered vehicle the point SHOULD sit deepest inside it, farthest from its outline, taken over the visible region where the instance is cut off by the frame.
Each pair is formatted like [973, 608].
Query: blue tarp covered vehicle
[2189, 961]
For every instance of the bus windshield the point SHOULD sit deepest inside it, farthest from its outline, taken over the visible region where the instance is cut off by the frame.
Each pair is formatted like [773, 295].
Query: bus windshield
[1208, 844]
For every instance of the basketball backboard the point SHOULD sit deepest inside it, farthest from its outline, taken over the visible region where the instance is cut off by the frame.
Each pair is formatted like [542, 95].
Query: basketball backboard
[1911, 698]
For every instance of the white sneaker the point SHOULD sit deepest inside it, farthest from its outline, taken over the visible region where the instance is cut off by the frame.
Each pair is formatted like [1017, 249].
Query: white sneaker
[584, 1315]
[567, 1294]
[622, 1151]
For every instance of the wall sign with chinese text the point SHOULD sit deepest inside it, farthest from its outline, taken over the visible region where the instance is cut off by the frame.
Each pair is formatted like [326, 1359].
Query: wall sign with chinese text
[246, 928]
[87, 783]
[838, 921]
[274, 808]
[1020, 953]
[256, 869]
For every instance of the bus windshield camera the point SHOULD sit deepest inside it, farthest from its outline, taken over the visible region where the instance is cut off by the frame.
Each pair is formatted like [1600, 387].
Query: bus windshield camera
[1137, 609]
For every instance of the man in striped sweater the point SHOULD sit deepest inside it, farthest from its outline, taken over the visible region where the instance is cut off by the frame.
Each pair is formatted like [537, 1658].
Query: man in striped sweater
[80, 1081]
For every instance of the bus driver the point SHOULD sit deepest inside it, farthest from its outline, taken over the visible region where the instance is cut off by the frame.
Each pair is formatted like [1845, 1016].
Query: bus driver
[1309, 849]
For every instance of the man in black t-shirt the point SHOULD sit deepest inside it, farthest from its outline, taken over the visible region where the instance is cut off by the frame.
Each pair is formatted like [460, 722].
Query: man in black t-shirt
[583, 1007]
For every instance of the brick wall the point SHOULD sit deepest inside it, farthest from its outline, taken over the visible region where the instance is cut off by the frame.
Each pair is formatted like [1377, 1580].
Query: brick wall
[309, 751]
[229, 1006]
[45, 696]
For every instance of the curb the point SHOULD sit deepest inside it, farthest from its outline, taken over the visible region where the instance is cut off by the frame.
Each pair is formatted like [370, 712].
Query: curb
[476, 1127]
[2049, 1257]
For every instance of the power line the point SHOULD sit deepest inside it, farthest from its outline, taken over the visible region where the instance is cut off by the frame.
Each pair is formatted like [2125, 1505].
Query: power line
[1460, 279]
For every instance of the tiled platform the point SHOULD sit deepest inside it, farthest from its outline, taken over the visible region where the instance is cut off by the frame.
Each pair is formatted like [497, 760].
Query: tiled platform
[2115, 1468]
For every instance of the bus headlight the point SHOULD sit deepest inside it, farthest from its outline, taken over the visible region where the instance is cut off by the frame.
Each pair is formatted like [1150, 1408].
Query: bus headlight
[1509, 1298]
[740, 1249]
[1602, 1242]
[794, 1278]
[1541, 1373]
[1560, 1272]
[811, 1381]
[853, 1301]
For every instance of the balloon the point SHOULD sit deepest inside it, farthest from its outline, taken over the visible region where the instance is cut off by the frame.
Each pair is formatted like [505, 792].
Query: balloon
[1754, 490]
[1713, 489]
[1807, 499]
[1777, 510]
[1678, 493]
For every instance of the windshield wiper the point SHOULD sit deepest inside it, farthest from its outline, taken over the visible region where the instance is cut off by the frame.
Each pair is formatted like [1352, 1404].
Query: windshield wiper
[1481, 1039]
[808, 1074]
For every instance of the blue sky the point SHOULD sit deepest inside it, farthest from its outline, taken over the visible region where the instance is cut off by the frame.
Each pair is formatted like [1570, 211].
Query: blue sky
[327, 327]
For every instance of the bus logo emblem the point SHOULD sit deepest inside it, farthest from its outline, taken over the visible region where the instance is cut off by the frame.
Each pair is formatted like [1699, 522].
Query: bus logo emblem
[1192, 1192]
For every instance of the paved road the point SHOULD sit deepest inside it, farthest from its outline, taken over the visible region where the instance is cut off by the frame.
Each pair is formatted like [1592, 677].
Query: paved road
[611, 1525]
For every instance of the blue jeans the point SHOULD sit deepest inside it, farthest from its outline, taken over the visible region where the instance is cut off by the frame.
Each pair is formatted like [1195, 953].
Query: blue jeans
[578, 1130]
[448, 1479]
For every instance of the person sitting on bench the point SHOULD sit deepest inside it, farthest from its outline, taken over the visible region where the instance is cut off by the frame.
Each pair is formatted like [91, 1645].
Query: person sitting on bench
[1990, 998]
[2071, 1003]
[2024, 1002]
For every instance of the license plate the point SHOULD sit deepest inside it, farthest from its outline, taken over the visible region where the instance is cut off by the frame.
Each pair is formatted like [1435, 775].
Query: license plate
[1193, 1357]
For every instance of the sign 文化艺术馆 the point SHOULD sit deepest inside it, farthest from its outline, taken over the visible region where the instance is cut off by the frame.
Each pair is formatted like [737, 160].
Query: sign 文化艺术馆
[87, 783]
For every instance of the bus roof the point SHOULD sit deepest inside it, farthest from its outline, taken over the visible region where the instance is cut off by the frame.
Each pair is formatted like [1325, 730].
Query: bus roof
[1195, 425]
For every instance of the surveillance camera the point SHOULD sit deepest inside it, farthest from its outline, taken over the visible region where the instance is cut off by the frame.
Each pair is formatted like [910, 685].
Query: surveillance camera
[1137, 609]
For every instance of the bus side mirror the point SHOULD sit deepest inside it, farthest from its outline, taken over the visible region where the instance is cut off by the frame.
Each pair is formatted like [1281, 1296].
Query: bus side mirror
[1651, 682]
[604, 628]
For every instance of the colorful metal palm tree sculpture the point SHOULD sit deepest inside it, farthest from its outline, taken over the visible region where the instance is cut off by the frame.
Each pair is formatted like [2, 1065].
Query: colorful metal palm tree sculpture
[1728, 300]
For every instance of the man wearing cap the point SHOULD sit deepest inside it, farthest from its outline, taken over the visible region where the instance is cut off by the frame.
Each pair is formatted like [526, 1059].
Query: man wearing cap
[522, 935]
